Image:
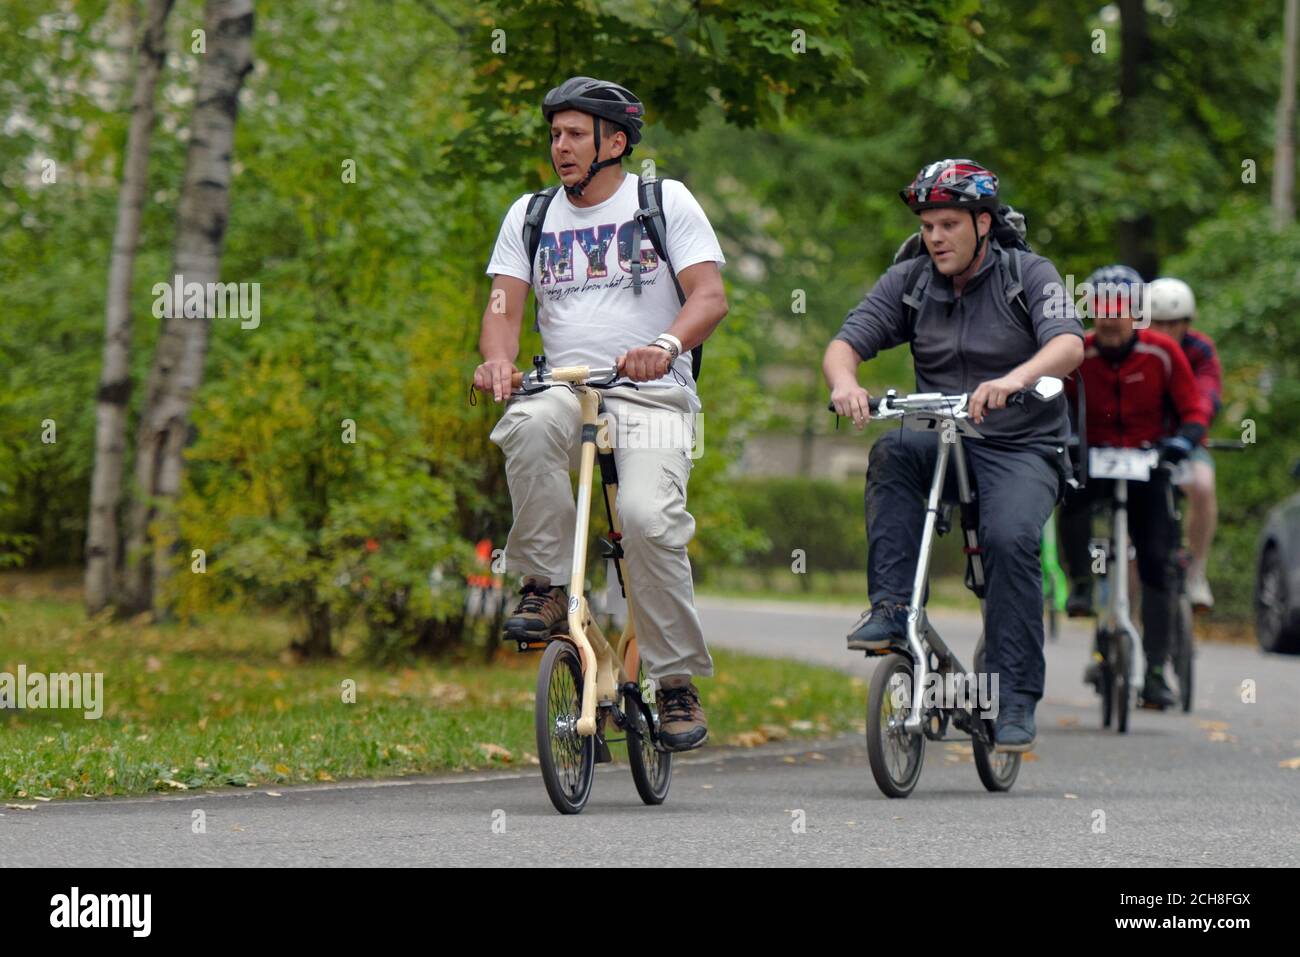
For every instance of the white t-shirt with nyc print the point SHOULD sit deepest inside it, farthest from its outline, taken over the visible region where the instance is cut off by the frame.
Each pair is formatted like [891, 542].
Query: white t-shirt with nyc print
[582, 278]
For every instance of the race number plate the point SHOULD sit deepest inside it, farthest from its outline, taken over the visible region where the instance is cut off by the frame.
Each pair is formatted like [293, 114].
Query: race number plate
[1132, 464]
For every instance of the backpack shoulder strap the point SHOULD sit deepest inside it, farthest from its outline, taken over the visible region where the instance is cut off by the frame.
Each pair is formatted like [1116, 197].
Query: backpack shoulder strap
[650, 218]
[1012, 263]
[534, 216]
[918, 278]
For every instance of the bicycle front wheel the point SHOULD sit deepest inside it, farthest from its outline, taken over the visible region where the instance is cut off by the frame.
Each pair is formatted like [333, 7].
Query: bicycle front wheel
[568, 759]
[1122, 667]
[895, 755]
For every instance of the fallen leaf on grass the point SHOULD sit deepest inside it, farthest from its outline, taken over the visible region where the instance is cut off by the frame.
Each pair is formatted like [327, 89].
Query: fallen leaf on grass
[749, 739]
[491, 751]
[173, 783]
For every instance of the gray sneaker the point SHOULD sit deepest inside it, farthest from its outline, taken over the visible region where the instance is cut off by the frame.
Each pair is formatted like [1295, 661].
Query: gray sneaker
[879, 628]
[1015, 729]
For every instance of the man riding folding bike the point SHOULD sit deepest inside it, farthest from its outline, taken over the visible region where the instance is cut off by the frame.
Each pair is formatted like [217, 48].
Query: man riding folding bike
[615, 283]
[1171, 307]
[1132, 378]
[984, 316]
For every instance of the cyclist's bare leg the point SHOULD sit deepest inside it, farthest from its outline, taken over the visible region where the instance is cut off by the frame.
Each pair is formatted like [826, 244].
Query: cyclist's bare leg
[1202, 519]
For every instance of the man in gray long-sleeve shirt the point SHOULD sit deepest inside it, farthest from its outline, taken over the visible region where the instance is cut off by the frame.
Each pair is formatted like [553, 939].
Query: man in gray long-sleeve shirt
[968, 333]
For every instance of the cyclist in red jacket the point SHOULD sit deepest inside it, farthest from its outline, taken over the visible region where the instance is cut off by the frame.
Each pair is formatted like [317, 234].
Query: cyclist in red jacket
[1134, 380]
[1171, 307]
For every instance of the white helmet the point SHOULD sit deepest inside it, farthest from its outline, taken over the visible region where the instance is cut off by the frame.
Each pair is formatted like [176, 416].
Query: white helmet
[1171, 300]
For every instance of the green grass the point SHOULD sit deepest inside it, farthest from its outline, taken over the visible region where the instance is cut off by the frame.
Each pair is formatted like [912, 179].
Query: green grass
[219, 703]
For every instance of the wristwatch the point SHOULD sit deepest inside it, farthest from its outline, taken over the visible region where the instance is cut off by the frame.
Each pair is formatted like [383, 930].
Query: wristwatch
[671, 344]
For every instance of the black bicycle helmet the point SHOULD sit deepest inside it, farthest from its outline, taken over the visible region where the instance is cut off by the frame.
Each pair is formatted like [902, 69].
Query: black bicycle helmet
[601, 100]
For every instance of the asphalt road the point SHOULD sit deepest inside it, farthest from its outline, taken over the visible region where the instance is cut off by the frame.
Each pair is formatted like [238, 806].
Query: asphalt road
[1203, 789]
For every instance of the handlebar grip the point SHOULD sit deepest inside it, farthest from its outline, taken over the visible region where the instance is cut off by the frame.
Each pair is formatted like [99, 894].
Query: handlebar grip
[873, 404]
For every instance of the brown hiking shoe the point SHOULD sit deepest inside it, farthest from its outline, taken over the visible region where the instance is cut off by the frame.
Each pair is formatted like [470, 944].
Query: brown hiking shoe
[682, 724]
[539, 610]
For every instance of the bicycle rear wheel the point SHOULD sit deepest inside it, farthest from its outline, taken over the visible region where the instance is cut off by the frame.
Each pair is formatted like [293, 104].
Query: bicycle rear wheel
[997, 769]
[1107, 688]
[568, 759]
[1184, 651]
[652, 769]
[895, 755]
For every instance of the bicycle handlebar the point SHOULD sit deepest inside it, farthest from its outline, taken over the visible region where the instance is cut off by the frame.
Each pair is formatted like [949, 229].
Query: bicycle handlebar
[1225, 445]
[578, 375]
[927, 402]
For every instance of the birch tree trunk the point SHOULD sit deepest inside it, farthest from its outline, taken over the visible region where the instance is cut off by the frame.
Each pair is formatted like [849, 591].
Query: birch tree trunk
[177, 369]
[104, 535]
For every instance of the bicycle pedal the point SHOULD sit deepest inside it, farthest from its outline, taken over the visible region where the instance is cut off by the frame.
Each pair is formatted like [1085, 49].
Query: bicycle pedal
[602, 750]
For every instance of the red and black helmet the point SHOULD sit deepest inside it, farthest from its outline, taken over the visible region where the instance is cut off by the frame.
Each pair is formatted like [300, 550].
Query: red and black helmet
[952, 183]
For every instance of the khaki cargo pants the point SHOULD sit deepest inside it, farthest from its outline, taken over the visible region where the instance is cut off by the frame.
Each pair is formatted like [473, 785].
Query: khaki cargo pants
[541, 438]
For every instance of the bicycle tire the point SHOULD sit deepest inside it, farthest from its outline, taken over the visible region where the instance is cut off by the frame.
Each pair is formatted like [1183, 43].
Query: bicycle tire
[568, 759]
[887, 741]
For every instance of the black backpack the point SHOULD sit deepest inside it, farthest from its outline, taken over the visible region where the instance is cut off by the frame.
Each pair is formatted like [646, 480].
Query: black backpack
[649, 222]
[1008, 230]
